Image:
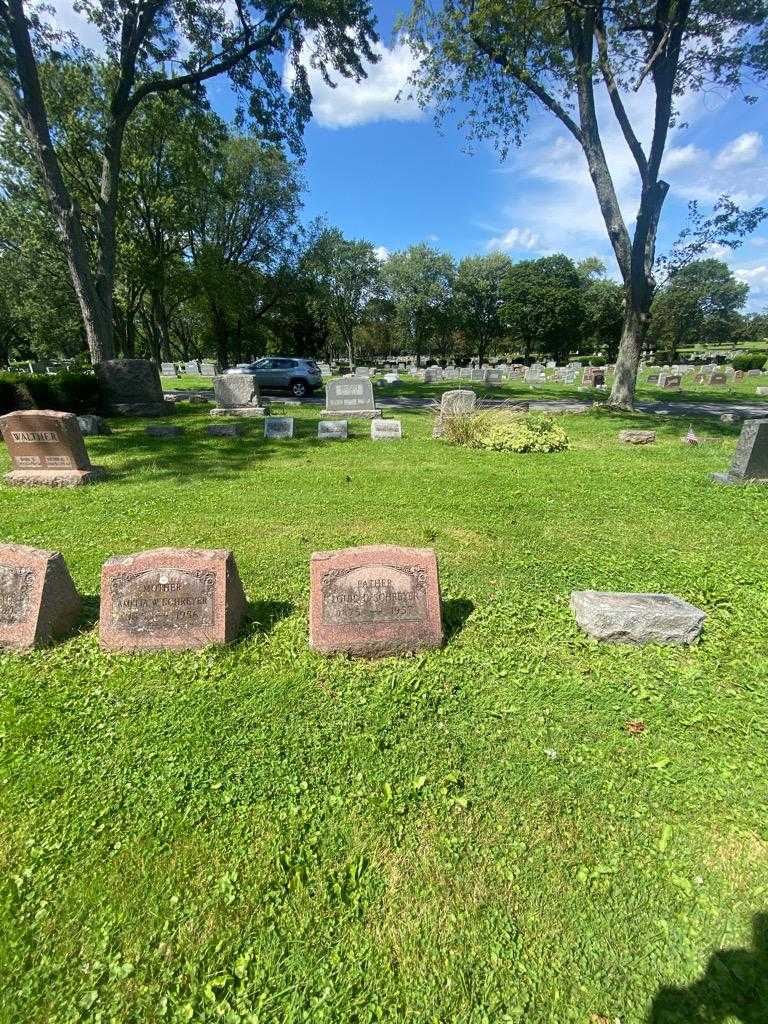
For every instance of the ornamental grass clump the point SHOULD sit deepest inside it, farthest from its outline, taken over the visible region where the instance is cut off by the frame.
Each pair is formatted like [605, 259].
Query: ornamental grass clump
[506, 432]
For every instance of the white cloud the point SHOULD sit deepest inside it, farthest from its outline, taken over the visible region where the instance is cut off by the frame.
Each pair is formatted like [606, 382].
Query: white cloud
[381, 252]
[743, 150]
[372, 99]
[515, 238]
[755, 277]
[682, 156]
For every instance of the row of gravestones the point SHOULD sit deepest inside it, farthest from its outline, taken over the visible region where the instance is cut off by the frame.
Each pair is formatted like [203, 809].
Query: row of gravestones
[281, 428]
[367, 602]
[192, 368]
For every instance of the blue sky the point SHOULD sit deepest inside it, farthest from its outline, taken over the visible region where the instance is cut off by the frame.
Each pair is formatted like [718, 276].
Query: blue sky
[380, 170]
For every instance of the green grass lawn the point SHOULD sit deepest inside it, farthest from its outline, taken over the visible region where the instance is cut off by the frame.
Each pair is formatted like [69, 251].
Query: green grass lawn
[736, 391]
[472, 835]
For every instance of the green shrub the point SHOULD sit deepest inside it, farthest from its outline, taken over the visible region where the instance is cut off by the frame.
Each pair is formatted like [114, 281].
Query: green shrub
[506, 432]
[750, 361]
[69, 391]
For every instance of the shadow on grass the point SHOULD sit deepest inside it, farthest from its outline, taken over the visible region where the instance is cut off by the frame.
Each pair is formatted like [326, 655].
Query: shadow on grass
[733, 987]
[263, 616]
[456, 611]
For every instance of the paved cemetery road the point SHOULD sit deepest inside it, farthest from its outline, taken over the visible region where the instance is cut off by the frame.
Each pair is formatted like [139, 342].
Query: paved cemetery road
[741, 410]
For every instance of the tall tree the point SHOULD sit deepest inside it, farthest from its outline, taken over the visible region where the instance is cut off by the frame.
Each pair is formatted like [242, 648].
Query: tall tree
[543, 308]
[699, 304]
[501, 57]
[478, 299]
[419, 281]
[141, 38]
[347, 273]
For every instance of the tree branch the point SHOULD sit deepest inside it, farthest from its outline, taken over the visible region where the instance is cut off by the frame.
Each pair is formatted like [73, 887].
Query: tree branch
[161, 85]
[615, 97]
[549, 101]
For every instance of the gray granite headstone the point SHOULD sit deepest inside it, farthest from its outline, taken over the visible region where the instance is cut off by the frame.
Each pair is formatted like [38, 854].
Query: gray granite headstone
[237, 394]
[386, 430]
[131, 387]
[750, 460]
[350, 397]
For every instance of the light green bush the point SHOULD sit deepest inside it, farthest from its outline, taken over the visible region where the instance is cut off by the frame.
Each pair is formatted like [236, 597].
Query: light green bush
[506, 432]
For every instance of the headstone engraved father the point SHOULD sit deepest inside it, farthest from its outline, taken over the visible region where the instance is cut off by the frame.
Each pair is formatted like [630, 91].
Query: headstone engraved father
[170, 598]
[47, 449]
[350, 398]
[38, 600]
[374, 601]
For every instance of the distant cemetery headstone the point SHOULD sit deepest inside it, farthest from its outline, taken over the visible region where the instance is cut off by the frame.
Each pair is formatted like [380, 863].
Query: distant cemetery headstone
[386, 430]
[332, 430]
[224, 430]
[391, 378]
[738, 375]
[170, 599]
[38, 600]
[131, 387]
[237, 394]
[168, 370]
[46, 449]
[432, 375]
[718, 380]
[461, 402]
[192, 367]
[653, 378]
[754, 373]
[92, 426]
[363, 371]
[672, 382]
[750, 460]
[162, 431]
[349, 398]
[374, 601]
[278, 428]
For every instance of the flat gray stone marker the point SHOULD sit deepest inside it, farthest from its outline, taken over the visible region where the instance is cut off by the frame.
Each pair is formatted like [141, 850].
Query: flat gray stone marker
[750, 460]
[278, 428]
[386, 430]
[637, 618]
[163, 431]
[332, 430]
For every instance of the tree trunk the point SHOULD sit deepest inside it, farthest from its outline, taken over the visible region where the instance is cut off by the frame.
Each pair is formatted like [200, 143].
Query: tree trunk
[628, 359]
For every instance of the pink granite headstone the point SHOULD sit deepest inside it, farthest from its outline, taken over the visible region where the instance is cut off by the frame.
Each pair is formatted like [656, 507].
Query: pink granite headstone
[47, 449]
[374, 601]
[170, 599]
[38, 600]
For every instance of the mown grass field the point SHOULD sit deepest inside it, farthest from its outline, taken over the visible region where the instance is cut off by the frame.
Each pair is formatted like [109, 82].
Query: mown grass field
[477, 834]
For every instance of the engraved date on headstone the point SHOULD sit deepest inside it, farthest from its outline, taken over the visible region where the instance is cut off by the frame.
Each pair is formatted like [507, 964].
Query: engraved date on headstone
[373, 593]
[159, 600]
[15, 587]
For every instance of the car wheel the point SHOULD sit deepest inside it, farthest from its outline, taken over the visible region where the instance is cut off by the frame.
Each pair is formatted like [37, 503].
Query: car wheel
[299, 389]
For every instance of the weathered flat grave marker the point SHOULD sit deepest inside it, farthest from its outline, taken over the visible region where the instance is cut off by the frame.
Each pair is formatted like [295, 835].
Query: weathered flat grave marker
[350, 397]
[38, 600]
[224, 430]
[278, 428]
[637, 618]
[47, 449]
[170, 599]
[750, 460]
[332, 430]
[161, 431]
[672, 382]
[237, 394]
[386, 430]
[374, 601]
[637, 436]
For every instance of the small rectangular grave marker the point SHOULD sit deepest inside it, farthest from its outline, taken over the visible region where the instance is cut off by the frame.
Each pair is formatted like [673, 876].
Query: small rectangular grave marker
[332, 430]
[374, 601]
[278, 428]
[38, 600]
[386, 430]
[170, 599]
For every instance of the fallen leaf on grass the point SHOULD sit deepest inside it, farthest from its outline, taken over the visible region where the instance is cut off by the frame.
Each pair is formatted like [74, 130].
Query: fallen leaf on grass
[635, 728]
[597, 1018]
